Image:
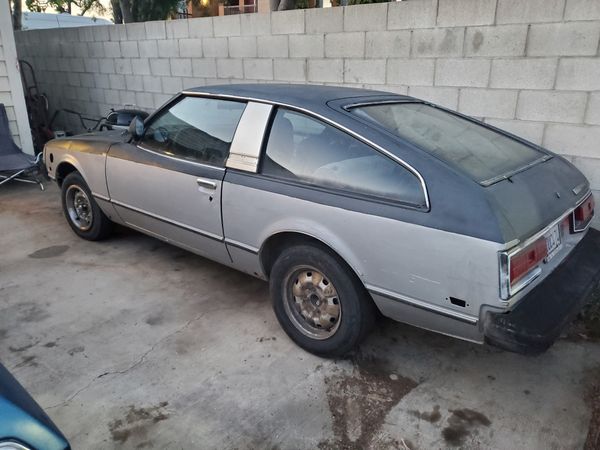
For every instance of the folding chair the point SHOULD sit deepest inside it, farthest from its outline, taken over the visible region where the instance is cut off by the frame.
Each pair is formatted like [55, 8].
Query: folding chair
[14, 164]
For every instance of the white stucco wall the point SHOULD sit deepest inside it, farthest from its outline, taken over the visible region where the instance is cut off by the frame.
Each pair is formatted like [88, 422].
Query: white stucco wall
[11, 88]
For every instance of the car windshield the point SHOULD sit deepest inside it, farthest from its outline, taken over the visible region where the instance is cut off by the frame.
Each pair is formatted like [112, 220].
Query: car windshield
[483, 154]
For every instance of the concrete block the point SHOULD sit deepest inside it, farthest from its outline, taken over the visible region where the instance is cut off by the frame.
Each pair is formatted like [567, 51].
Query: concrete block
[100, 33]
[370, 17]
[135, 31]
[117, 32]
[177, 29]
[255, 24]
[582, 10]
[134, 82]
[364, 71]
[201, 27]
[75, 65]
[387, 44]
[106, 65]
[181, 67]
[190, 47]
[226, 25]
[148, 49]
[87, 80]
[152, 83]
[97, 95]
[576, 140]
[552, 106]
[307, 45]
[531, 131]
[452, 13]
[438, 42]
[529, 11]
[530, 73]
[326, 70]
[488, 103]
[412, 14]
[160, 99]
[96, 49]
[155, 29]
[123, 66]
[289, 69]
[443, 96]
[116, 81]
[91, 65]
[192, 82]
[112, 97]
[144, 100]
[72, 79]
[412, 72]
[501, 40]
[287, 22]
[591, 169]
[272, 46]
[169, 48]
[229, 68]
[592, 115]
[324, 20]
[129, 49]
[204, 67]
[568, 39]
[140, 66]
[258, 68]
[171, 85]
[462, 72]
[126, 98]
[160, 66]
[241, 47]
[112, 49]
[215, 47]
[345, 45]
[86, 34]
[579, 74]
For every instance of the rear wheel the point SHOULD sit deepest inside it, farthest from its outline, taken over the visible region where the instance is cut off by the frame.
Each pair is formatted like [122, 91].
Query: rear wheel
[81, 210]
[319, 301]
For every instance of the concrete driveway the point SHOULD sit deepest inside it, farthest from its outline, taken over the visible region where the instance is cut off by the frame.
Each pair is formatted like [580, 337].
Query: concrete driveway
[132, 343]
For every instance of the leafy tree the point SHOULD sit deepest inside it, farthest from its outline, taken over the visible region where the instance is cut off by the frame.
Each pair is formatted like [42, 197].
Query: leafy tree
[65, 6]
[142, 10]
[16, 14]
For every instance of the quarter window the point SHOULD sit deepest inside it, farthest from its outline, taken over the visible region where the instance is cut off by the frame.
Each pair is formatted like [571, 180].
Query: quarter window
[301, 148]
[195, 129]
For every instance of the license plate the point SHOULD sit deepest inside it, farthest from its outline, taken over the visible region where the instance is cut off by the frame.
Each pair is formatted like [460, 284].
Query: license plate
[553, 242]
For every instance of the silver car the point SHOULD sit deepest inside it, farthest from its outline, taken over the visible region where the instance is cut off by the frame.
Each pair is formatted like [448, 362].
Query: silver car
[350, 203]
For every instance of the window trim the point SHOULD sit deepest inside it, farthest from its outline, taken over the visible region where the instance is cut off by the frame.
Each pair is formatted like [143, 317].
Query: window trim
[330, 189]
[169, 104]
[333, 123]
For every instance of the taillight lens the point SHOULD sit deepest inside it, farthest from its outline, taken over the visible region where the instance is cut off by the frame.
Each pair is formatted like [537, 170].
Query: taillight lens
[583, 214]
[529, 258]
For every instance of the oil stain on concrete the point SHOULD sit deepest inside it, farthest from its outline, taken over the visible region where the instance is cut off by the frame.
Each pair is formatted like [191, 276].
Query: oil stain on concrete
[136, 423]
[461, 424]
[359, 403]
[49, 252]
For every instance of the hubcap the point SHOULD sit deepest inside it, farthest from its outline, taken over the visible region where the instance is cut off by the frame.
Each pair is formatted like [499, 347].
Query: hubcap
[312, 303]
[79, 207]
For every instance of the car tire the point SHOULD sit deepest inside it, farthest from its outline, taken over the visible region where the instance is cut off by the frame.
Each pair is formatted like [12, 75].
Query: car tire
[319, 301]
[82, 212]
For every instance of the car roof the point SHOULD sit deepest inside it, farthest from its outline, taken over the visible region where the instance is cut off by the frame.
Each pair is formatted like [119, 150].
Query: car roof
[307, 96]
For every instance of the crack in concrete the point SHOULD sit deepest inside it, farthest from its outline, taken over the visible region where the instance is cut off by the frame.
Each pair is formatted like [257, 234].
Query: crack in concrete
[132, 367]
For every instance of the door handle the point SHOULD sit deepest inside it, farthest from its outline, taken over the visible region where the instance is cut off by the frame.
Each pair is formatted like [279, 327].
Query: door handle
[206, 183]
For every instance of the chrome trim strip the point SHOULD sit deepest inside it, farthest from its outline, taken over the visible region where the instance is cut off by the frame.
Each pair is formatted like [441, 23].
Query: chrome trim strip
[179, 159]
[169, 221]
[513, 172]
[422, 305]
[581, 230]
[400, 161]
[242, 246]
[100, 196]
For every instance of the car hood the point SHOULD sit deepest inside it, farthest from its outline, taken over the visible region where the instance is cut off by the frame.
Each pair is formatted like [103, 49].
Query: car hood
[530, 200]
[97, 142]
[23, 420]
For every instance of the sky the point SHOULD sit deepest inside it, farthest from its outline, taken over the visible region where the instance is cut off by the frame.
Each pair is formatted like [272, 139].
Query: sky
[106, 15]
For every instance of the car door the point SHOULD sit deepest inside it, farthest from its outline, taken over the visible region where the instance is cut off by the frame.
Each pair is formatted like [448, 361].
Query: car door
[168, 183]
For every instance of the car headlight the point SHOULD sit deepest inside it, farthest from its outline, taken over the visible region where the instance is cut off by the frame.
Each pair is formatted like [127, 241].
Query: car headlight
[10, 445]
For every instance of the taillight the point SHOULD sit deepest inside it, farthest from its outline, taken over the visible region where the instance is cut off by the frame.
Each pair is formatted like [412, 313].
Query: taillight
[520, 268]
[583, 214]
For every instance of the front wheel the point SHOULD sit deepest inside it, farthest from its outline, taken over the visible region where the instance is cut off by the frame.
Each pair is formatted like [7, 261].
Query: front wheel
[319, 301]
[81, 210]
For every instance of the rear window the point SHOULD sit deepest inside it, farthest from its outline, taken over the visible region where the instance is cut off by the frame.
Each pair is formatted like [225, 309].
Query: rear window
[481, 153]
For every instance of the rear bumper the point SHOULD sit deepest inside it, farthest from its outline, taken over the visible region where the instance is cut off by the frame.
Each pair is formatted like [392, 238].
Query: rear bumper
[538, 319]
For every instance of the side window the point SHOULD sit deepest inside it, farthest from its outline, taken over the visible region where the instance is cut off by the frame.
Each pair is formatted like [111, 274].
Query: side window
[195, 129]
[304, 149]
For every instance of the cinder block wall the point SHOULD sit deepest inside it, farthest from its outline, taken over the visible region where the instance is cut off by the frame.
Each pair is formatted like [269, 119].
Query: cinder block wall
[531, 67]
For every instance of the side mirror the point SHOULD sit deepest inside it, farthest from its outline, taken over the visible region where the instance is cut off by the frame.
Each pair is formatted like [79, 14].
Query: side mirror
[136, 127]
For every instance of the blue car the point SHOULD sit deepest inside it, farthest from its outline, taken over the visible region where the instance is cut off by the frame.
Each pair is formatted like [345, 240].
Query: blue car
[23, 424]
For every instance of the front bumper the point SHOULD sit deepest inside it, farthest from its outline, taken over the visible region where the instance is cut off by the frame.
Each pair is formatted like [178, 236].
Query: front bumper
[538, 319]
